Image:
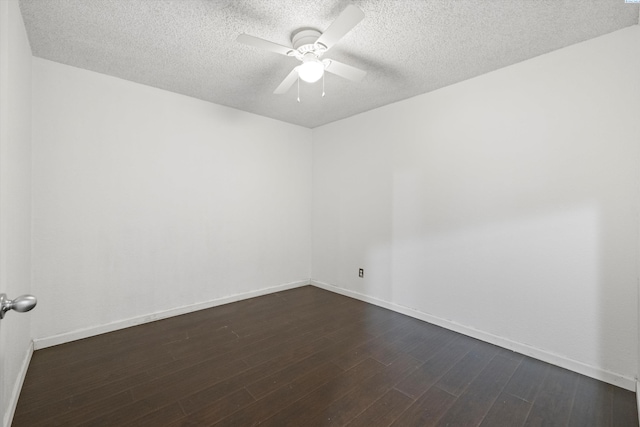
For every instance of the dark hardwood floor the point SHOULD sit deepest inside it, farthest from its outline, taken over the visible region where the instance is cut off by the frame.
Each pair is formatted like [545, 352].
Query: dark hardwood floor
[305, 357]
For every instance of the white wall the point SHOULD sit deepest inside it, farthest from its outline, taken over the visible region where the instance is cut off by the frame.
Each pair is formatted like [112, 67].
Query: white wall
[15, 201]
[505, 206]
[145, 201]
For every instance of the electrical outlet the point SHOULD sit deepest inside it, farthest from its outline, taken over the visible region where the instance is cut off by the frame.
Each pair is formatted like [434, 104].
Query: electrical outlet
[361, 272]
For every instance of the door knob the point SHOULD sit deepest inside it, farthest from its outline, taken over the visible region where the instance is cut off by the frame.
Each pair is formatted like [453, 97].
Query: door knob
[21, 304]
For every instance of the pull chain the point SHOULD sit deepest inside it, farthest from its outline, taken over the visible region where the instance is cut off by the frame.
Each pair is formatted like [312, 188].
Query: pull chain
[298, 88]
[323, 85]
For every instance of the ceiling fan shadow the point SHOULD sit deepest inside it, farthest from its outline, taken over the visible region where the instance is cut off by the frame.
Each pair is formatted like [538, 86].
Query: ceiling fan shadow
[375, 67]
[249, 13]
[337, 9]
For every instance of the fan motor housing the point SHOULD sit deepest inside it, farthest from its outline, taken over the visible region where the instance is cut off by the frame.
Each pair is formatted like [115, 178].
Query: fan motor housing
[304, 40]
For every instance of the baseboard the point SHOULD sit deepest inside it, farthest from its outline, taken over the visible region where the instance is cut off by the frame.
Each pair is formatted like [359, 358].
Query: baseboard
[17, 387]
[546, 356]
[638, 397]
[121, 324]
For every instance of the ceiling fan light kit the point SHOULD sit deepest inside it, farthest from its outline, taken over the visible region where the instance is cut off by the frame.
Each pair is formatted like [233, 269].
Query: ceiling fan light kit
[311, 69]
[309, 45]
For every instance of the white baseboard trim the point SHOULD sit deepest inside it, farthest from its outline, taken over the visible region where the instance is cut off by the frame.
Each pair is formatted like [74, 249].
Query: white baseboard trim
[40, 343]
[638, 397]
[17, 387]
[616, 379]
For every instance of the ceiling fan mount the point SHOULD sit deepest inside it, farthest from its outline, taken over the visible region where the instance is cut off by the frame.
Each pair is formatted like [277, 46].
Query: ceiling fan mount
[308, 45]
[305, 40]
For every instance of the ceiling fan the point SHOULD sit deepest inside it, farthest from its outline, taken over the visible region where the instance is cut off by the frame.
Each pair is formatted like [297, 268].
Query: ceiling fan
[309, 45]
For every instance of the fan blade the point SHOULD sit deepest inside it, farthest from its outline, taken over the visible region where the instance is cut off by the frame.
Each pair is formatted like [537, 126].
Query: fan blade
[264, 44]
[344, 70]
[348, 19]
[287, 82]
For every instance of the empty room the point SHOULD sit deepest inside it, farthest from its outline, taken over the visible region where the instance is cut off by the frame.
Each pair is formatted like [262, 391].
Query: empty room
[346, 213]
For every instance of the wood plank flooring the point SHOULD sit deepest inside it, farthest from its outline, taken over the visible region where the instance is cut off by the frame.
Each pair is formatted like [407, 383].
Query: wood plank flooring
[305, 357]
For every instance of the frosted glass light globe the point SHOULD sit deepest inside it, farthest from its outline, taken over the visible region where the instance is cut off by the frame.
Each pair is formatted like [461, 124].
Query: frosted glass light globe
[311, 70]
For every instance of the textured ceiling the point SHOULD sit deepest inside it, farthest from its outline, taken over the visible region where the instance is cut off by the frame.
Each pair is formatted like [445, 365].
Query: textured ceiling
[407, 47]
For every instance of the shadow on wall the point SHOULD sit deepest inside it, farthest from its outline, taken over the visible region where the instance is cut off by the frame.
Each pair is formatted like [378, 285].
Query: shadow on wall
[560, 280]
[540, 268]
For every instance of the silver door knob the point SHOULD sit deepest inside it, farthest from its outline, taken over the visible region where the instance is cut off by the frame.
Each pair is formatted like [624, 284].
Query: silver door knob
[21, 304]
